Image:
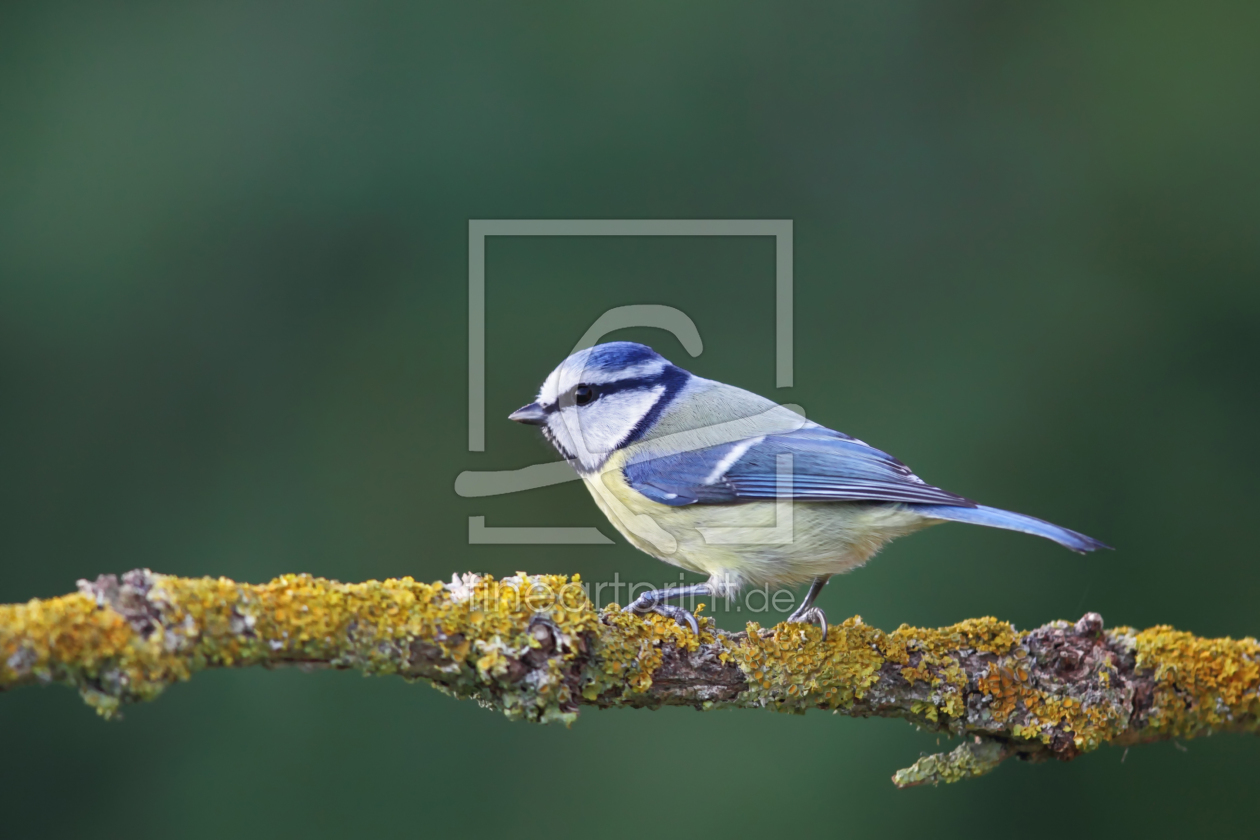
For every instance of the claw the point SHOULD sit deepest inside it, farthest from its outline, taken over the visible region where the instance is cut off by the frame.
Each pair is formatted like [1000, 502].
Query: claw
[810, 614]
[654, 601]
[680, 615]
[683, 617]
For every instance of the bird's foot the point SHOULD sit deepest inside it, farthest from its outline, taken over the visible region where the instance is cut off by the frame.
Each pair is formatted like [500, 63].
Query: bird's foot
[680, 615]
[654, 602]
[810, 615]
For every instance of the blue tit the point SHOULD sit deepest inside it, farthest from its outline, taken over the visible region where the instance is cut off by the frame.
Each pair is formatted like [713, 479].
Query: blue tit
[723, 482]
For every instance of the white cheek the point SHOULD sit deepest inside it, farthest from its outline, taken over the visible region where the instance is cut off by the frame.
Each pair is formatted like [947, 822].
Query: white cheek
[595, 430]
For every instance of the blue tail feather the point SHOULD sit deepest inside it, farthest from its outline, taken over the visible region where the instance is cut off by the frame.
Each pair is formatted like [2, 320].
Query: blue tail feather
[1011, 521]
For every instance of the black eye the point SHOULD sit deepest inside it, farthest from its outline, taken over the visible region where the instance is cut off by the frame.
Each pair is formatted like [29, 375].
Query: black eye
[583, 394]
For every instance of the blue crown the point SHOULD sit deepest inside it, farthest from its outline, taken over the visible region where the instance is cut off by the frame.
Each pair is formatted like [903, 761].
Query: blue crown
[619, 355]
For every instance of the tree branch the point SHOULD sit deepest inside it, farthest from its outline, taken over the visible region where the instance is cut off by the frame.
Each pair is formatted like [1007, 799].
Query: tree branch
[536, 648]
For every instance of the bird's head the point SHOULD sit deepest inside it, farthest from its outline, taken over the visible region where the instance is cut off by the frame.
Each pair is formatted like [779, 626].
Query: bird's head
[601, 399]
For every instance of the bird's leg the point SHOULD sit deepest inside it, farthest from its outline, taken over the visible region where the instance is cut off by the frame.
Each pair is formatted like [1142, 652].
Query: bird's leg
[654, 601]
[807, 612]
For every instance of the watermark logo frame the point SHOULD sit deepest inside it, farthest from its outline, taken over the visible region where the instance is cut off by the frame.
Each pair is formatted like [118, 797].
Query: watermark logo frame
[482, 483]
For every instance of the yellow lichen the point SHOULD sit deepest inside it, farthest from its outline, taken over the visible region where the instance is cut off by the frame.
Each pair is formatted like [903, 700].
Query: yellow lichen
[1200, 684]
[629, 650]
[218, 622]
[936, 664]
[791, 668]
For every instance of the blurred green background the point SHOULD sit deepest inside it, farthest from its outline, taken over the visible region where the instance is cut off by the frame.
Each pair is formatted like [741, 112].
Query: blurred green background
[233, 279]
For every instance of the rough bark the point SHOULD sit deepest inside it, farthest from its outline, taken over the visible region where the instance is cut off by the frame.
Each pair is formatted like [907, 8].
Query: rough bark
[536, 648]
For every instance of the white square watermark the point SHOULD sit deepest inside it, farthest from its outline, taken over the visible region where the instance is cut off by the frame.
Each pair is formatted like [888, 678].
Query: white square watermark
[486, 483]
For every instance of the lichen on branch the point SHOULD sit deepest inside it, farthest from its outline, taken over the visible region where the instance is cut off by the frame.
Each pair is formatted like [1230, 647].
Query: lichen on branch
[536, 648]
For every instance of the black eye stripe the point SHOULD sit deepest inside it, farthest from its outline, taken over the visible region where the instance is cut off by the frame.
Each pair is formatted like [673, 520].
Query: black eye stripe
[604, 389]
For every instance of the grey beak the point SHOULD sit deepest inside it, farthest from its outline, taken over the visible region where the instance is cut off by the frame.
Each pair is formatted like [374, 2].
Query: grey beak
[530, 415]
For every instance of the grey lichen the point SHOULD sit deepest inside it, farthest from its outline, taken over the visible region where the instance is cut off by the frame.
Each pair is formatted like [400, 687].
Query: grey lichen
[968, 760]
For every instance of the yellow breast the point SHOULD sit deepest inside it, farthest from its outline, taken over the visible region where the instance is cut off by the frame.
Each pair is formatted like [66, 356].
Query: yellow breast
[761, 542]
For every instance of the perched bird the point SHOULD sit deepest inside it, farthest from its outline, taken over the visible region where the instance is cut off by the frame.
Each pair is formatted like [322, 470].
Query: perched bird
[721, 481]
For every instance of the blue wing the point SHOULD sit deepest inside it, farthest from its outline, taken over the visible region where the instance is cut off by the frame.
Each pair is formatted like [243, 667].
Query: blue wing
[825, 466]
